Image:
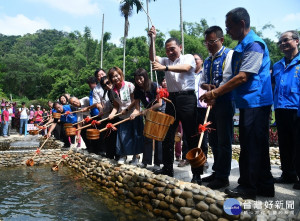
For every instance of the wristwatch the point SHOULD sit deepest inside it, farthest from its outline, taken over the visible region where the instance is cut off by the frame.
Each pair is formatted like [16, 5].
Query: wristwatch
[167, 68]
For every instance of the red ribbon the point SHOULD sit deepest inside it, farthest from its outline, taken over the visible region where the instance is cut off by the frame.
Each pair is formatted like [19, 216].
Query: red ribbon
[110, 127]
[38, 151]
[203, 128]
[64, 156]
[87, 119]
[162, 92]
[94, 123]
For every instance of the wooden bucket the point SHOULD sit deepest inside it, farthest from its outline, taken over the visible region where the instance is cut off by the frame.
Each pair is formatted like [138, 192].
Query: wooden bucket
[68, 125]
[92, 134]
[157, 125]
[196, 161]
[56, 115]
[70, 131]
[33, 132]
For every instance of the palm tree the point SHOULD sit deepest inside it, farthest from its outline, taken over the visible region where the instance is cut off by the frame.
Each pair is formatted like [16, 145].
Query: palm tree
[126, 11]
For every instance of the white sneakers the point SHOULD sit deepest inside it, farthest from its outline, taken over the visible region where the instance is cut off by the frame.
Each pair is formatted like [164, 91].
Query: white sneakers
[134, 161]
[122, 160]
[156, 167]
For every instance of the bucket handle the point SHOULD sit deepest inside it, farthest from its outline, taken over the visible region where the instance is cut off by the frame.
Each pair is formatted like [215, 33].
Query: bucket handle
[202, 134]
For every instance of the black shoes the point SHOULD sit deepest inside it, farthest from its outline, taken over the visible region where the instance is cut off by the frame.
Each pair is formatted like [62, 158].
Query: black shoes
[285, 180]
[238, 192]
[165, 171]
[196, 179]
[296, 186]
[266, 192]
[218, 183]
[209, 178]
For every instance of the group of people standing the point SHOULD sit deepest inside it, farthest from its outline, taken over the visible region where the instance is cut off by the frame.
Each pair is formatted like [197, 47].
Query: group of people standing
[230, 78]
[18, 118]
[236, 78]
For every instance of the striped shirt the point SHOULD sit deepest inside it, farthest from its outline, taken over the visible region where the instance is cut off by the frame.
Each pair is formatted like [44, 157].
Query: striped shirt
[252, 59]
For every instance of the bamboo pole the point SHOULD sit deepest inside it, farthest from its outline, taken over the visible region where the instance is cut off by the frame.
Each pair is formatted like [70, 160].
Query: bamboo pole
[98, 122]
[101, 53]
[202, 134]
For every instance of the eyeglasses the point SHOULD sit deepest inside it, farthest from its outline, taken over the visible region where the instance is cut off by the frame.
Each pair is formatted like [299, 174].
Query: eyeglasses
[107, 83]
[285, 40]
[211, 42]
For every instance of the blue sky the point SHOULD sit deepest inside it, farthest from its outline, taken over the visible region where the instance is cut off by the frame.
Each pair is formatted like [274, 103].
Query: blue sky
[18, 17]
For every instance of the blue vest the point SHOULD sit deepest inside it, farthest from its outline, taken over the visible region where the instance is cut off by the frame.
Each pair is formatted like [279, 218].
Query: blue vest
[214, 71]
[94, 111]
[257, 91]
[70, 118]
[287, 84]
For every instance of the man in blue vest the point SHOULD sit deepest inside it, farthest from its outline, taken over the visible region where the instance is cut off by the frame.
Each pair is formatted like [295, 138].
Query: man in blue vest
[216, 72]
[286, 76]
[252, 90]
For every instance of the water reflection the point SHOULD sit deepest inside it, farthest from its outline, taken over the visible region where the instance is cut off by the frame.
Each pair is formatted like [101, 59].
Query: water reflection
[36, 193]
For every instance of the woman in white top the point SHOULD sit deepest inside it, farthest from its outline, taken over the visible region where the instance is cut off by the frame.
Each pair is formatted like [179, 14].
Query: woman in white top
[23, 118]
[129, 134]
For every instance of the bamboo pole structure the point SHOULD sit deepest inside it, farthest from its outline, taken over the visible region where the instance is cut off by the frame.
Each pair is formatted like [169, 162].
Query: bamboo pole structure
[101, 53]
[181, 27]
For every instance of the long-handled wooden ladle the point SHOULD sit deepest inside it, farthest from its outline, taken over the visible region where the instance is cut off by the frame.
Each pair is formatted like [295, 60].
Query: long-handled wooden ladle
[30, 161]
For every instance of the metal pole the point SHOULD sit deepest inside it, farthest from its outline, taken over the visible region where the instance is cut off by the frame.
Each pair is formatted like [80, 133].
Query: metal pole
[101, 53]
[181, 27]
[151, 71]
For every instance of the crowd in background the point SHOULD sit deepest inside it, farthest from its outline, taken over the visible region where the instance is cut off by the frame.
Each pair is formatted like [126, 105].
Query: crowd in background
[17, 118]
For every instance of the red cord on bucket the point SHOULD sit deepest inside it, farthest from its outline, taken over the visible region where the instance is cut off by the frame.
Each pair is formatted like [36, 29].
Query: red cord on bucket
[110, 127]
[162, 92]
[38, 151]
[203, 128]
[87, 119]
[94, 123]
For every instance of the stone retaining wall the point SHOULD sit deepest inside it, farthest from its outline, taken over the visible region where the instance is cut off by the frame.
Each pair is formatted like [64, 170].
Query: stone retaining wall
[162, 196]
[19, 157]
[51, 143]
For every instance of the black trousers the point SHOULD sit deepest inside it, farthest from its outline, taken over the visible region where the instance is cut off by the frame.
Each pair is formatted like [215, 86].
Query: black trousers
[254, 162]
[297, 154]
[186, 112]
[286, 122]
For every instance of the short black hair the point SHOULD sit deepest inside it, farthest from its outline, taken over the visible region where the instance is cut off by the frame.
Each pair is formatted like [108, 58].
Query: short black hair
[295, 34]
[97, 70]
[23, 103]
[91, 80]
[173, 39]
[102, 81]
[55, 104]
[239, 14]
[200, 56]
[214, 29]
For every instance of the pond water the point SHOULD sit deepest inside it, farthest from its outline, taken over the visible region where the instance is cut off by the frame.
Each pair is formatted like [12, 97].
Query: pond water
[37, 193]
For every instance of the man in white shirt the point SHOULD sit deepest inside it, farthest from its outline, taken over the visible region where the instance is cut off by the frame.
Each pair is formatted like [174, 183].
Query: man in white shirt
[24, 112]
[179, 73]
